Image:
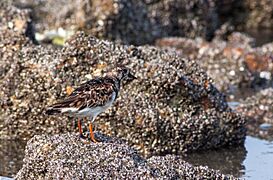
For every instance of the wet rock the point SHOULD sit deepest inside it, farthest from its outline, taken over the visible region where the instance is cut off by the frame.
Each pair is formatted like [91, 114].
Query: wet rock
[130, 21]
[259, 14]
[67, 157]
[259, 112]
[185, 18]
[121, 20]
[141, 22]
[233, 64]
[14, 25]
[11, 156]
[172, 108]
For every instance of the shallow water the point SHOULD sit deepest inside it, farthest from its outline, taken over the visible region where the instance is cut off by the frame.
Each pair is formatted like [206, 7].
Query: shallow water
[253, 161]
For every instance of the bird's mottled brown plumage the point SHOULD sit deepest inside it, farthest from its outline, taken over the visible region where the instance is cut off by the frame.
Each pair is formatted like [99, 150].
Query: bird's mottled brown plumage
[92, 97]
[95, 92]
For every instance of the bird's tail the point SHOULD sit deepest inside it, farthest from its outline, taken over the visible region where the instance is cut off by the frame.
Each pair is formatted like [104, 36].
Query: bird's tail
[52, 111]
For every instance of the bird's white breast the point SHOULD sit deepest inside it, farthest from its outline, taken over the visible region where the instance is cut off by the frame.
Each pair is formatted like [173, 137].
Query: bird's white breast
[94, 111]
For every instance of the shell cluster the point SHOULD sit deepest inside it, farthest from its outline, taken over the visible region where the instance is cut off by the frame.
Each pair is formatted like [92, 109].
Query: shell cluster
[65, 157]
[141, 22]
[234, 65]
[258, 109]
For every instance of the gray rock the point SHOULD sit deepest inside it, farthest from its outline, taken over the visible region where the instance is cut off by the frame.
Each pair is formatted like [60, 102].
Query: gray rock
[67, 157]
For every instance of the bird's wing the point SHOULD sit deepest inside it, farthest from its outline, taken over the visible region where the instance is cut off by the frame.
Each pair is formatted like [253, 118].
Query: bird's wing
[90, 94]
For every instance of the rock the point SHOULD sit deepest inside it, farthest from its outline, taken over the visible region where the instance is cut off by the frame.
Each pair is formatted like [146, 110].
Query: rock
[67, 157]
[259, 112]
[232, 64]
[259, 14]
[141, 22]
[130, 21]
[172, 107]
[185, 18]
[14, 29]
[11, 157]
[121, 20]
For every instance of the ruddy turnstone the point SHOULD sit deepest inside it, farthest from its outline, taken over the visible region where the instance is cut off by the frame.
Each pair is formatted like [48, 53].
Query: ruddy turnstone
[92, 98]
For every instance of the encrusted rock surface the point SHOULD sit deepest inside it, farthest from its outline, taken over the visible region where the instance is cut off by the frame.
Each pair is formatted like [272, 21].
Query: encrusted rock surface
[232, 64]
[11, 157]
[67, 157]
[130, 21]
[259, 106]
[121, 20]
[259, 14]
[259, 112]
[171, 108]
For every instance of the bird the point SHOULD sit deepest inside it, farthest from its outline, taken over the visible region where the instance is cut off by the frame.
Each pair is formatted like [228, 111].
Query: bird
[92, 98]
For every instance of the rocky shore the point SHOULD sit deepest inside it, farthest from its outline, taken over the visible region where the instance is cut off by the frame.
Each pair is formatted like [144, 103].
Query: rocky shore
[235, 65]
[176, 106]
[258, 109]
[67, 157]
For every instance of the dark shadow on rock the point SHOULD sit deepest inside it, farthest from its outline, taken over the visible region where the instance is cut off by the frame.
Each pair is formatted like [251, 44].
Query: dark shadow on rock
[11, 156]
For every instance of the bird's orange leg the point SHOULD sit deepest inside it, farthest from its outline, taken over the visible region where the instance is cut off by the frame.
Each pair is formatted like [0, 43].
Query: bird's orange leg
[92, 137]
[80, 128]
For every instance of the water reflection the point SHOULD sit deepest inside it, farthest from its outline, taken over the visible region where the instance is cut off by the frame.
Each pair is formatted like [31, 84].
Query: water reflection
[228, 160]
[11, 156]
[254, 161]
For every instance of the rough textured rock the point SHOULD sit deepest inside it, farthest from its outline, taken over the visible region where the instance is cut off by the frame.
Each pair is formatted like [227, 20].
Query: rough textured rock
[130, 21]
[11, 157]
[121, 20]
[14, 27]
[140, 22]
[185, 18]
[259, 112]
[67, 157]
[232, 64]
[171, 108]
[259, 14]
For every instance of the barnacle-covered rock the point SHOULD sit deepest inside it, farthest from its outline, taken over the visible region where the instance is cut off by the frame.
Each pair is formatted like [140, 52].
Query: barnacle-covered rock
[121, 20]
[259, 112]
[11, 155]
[232, 64]
[67, 157]
[130, 21]
[171, 108]
[15, 26]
